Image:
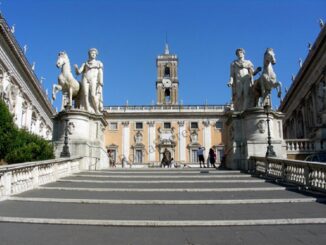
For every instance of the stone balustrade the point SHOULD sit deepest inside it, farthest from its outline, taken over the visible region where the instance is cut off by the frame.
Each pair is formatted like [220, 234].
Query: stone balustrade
[300, 146]
[151, 108]
[22, 177]
[310, 175]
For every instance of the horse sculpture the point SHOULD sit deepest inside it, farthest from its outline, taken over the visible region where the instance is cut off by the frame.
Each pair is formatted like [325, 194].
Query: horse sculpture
[69, 86]
[267, 81]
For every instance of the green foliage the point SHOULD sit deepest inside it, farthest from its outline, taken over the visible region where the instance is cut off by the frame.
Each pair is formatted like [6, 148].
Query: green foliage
[7, 130]
[18, 145]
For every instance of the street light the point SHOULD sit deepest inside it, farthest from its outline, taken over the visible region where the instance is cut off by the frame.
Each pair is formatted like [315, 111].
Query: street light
[65, 150]
[270, 151]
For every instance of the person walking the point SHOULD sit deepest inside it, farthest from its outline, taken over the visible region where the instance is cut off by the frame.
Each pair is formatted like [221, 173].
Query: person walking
[200, 154]
[212, 157]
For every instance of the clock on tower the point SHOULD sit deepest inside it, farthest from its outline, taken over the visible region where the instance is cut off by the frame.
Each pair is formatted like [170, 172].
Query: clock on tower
[167, 83]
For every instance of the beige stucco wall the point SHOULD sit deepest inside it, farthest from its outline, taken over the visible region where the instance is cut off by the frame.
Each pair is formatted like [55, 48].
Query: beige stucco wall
[115, 136]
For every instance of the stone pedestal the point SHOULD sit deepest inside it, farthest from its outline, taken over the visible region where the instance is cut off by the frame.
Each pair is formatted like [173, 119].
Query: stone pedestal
[85, 137]
[248, 136]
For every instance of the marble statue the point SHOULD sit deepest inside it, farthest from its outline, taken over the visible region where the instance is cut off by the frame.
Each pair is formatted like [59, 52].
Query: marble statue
[267, 81]
[321, 23]
[4, 83]
[241, 81]
[92, 82]
[25, 48]
[66, 83]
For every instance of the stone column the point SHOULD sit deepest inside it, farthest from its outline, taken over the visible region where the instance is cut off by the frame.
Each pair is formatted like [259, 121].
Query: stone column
[126, 139]
[24, 115]
[29, 112]
[162, 98]
[19, 110]
[182, 141]
[159, 94]
[41, 128]
[37, 124]
[207, 137]
[151, 141]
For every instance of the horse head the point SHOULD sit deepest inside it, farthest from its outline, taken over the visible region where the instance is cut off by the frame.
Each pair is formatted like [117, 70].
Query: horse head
[269, 56]
[62, 59]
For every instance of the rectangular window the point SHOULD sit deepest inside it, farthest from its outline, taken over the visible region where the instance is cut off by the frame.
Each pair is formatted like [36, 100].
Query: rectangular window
[194, 125]
[139, 125]
[219, 125]
[113, 126]
[167, 125]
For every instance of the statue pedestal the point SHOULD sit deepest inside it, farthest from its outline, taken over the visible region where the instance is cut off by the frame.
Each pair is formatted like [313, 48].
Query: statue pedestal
[248, 134]
[85, 137]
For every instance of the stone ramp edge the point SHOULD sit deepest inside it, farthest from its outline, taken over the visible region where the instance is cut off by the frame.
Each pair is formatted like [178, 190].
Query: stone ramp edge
[167, 202]
[164, 181]
[167, 189]
[160, 223]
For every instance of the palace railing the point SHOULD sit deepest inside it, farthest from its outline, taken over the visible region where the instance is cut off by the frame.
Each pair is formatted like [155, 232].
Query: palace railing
[151, 108]
[310, 175]
[22, 177]
[300, 146]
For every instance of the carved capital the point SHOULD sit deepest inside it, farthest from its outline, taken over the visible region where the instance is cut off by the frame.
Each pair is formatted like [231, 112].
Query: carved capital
[206, 123]
[181, 123]
[151, 123]
[125, 123]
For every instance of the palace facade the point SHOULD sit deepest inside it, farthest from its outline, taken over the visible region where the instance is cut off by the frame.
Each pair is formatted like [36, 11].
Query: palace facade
[304, 105]
[142, 133]
[20, 88]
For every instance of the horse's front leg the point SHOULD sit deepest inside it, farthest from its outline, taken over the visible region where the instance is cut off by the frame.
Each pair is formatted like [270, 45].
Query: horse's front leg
[55, 90]
[70, 96]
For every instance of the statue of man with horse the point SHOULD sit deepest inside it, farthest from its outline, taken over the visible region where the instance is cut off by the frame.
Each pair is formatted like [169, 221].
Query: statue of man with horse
[88, 94]
[247, 92]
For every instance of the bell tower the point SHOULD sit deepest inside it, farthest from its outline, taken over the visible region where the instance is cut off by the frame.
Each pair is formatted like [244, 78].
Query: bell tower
[167, 84]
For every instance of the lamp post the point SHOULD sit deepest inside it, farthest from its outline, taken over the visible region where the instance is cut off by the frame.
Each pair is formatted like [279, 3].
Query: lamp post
[65, 150]
[270, 151]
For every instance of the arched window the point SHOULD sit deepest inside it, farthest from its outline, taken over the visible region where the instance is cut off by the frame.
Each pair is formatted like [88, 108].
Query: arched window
[167, 71]
[167, 95]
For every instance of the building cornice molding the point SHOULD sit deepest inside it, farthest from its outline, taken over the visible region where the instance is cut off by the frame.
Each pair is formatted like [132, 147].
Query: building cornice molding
[17, 51]
[303, 82]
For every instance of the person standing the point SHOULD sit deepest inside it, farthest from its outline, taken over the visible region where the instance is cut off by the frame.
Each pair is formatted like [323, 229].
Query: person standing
[212, 157]
[200, 154]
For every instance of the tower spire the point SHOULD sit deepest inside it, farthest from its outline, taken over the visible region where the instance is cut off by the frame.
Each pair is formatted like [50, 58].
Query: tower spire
[166, 50]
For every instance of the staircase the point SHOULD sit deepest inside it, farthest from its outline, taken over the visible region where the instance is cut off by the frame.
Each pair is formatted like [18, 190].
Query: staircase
[163, 206]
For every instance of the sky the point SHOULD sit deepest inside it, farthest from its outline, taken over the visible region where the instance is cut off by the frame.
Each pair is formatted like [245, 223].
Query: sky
[129, 34]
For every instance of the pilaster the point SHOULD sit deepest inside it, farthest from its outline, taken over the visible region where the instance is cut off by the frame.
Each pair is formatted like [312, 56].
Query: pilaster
[125, 139]
[151, 141]
[207, 136]
[182, 141]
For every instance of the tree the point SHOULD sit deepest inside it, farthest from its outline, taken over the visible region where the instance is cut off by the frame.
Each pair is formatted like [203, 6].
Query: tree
[18, 145]
[7, 130]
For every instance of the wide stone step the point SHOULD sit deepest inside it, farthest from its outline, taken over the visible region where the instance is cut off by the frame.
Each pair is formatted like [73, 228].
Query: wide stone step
[170, 186]
[246, 194]
[221, 212]
[27, 234]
